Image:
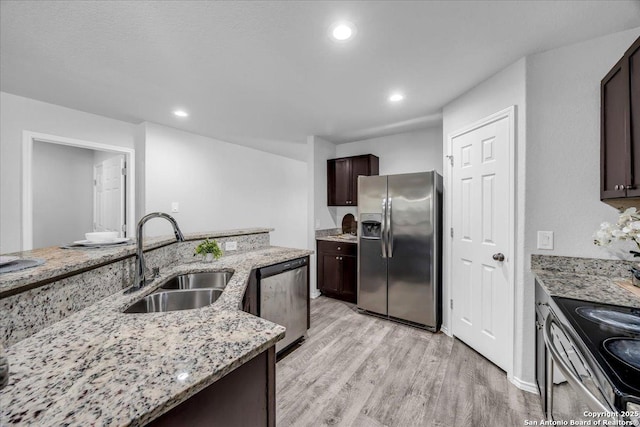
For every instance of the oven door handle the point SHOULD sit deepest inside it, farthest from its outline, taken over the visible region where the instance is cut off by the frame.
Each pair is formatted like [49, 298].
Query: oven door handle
[593, 402]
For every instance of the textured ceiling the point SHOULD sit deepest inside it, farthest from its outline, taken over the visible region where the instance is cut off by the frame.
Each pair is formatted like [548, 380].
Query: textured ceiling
[265, 73]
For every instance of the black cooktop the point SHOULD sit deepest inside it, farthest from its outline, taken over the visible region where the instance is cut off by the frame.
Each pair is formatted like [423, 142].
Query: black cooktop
[611, 333]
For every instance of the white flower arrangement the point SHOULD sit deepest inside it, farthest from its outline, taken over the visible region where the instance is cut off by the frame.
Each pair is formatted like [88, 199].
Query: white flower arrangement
[626, 229]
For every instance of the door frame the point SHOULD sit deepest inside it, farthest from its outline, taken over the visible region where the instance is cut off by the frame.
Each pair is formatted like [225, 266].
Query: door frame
[28, 138]
[510, 114]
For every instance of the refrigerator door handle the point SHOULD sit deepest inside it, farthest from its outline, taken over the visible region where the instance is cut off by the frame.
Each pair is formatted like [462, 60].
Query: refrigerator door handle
[390, 228]
[383, 244]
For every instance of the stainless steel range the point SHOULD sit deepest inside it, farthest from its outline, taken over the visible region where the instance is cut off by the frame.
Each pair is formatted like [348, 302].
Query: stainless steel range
[597, 349]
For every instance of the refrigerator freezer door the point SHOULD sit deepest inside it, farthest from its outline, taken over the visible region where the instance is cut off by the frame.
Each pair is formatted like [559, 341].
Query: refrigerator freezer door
[372, 266]
[411, 271]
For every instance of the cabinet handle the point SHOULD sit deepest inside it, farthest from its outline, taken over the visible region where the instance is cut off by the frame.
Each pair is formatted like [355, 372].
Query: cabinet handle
[337, 257]
[338, 247]
[617, 187]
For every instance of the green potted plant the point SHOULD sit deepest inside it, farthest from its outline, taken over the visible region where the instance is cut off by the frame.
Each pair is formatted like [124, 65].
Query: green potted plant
[209, 250]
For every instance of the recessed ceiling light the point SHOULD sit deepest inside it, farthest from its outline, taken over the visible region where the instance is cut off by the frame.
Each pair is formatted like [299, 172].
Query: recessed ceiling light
[181, 113]
[343, 31]
[396, 97]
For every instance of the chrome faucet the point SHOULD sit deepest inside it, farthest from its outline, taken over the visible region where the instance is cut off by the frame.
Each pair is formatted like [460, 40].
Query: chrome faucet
[140, 279]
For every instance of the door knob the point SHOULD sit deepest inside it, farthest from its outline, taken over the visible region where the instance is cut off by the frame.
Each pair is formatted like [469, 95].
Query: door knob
[498, 257]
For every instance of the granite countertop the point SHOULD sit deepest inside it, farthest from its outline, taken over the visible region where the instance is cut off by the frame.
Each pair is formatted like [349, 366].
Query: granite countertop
[585, 279]
[103, 367]
[343, 238]
[61, 262]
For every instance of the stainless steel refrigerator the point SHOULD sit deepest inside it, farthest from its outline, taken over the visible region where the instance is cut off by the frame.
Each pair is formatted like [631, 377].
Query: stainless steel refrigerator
[399, 247]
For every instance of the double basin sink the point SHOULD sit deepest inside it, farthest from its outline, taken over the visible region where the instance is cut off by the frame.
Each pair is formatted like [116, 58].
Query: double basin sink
[184, 292]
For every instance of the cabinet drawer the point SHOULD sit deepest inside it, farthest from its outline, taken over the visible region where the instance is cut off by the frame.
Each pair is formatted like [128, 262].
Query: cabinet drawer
[340, 248]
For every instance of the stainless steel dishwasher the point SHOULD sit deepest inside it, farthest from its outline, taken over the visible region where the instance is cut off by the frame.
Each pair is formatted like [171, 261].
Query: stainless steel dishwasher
[284, 294]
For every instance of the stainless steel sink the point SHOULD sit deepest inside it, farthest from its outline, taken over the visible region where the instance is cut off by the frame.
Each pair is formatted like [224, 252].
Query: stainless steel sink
[212, 279]
[175, 300]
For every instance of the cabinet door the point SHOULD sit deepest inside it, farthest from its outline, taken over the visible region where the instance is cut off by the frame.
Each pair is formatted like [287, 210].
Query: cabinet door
[359, 166]
[614, 153]
[338, 182]
[331, 273]
[634, 105]
[349, 278]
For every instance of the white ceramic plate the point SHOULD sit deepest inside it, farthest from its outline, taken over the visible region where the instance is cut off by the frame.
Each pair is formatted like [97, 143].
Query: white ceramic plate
[7, 259]
[90, 243]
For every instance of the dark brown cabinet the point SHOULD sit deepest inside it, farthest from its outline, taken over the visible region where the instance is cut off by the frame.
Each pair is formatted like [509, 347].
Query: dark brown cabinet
[620, 130]
[342, 178]
[337, 270]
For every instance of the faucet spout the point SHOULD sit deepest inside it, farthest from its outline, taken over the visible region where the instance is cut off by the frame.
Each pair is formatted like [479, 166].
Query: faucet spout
[140, 279]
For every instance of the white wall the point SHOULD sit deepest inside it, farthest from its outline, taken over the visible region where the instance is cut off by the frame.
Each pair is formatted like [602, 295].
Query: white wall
[325, 216]
[18, 114]
[504, 89]
[220, 186]
[320, 215]
[416, 151]
[563, 144]
[62, 193]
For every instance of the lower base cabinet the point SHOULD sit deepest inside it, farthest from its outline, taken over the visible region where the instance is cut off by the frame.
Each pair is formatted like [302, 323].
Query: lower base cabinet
[243, 397]
[337, 270]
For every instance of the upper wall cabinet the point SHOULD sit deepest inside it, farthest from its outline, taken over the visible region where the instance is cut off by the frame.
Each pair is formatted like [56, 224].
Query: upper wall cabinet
[342, 178]
[620, 131]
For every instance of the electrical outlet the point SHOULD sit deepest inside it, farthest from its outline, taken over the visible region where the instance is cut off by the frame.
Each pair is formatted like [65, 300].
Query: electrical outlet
[545, 240]
[175, 207]
[230, 246]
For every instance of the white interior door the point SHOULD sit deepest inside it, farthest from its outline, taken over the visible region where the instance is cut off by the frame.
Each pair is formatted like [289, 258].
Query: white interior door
[481, 284]
[109, 190]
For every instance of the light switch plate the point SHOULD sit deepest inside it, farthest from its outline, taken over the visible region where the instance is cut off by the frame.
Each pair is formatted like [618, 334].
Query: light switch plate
[230, 246]
[175, 207]
[545, 240]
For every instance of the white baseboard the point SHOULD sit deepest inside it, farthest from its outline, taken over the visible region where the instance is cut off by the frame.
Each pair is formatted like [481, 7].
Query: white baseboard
[314, 294]
[445, 330]
[524, 385]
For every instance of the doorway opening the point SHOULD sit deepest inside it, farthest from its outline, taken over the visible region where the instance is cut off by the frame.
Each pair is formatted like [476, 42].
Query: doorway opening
[71, 187]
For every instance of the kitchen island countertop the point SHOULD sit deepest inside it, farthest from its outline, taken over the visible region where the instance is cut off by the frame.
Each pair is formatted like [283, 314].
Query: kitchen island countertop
[339, 238]
[103, 367]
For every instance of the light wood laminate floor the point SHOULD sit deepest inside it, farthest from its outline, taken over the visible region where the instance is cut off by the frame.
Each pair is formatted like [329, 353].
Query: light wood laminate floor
[359, 370]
